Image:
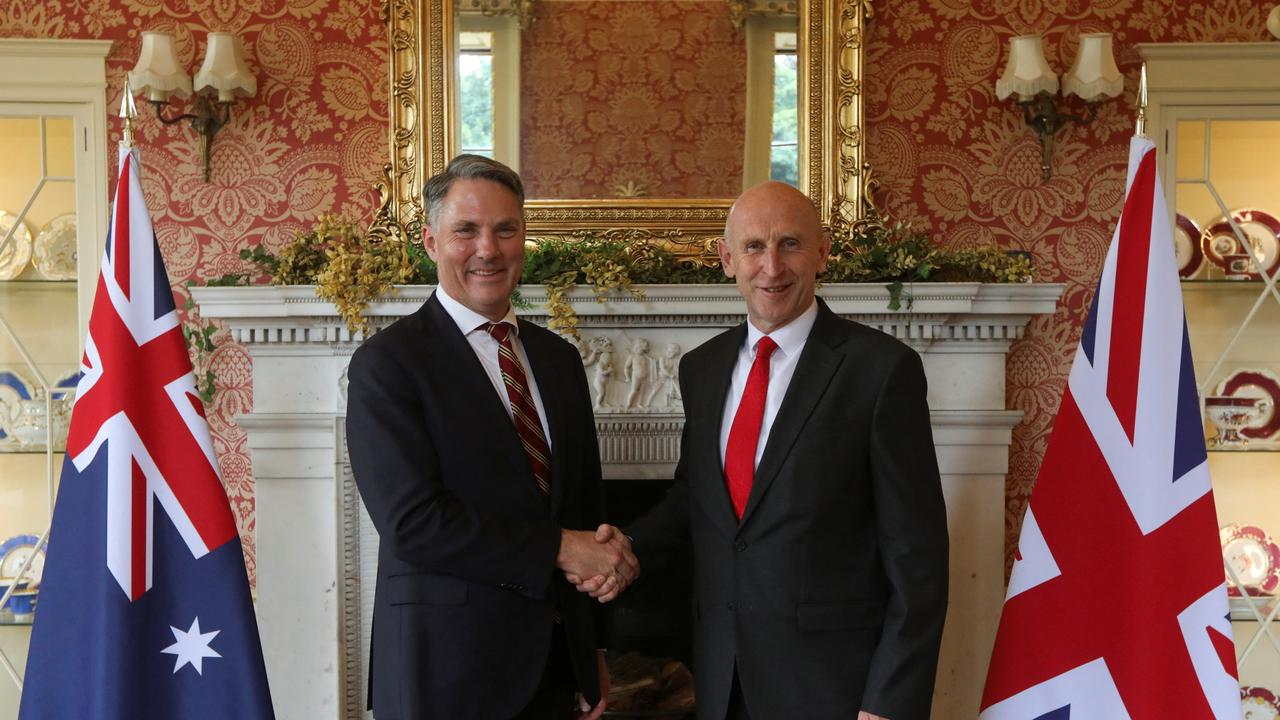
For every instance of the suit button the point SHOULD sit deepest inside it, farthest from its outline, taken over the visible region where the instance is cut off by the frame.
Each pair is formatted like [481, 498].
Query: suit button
[504, 586]
[740, 546]
[518, 587]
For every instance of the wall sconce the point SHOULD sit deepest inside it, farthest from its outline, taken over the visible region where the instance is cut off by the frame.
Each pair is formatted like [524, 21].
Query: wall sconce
[1093, 77]
[159, 74]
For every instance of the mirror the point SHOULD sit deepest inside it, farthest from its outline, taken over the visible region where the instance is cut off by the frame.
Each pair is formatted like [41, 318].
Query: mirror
[600, 99]
[631, 118]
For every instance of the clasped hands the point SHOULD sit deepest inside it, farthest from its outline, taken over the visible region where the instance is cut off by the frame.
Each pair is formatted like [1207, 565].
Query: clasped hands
[598, 563]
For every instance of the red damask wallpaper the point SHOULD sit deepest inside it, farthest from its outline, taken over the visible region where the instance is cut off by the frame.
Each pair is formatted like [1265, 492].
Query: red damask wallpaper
[312, 141]
[964, 166]
[645, 93]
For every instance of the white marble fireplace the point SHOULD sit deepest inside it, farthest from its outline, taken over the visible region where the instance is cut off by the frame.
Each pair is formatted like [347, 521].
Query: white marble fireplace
[317, 550]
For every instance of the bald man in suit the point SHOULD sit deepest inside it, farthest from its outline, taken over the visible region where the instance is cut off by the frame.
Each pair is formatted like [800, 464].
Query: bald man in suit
[808, 491]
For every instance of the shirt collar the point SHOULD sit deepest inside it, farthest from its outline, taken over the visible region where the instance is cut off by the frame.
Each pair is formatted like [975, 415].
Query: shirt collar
[468, 320]
[790, 337]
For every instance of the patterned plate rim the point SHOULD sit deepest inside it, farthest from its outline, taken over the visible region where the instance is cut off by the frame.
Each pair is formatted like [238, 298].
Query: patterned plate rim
[1230, 533]
[1267, 382]
[1193, 232]
[1242, 215]
[21, 249]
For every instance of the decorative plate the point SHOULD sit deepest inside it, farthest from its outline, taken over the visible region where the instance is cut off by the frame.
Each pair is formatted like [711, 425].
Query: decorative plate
[55, 248]
[13, 390]
[1261, 229]
[1259, 703]
[14, 552]
[1186, 246]
[1253, 556]
[64, 397]
[65, 385]
[1256, 383]
[15, 254]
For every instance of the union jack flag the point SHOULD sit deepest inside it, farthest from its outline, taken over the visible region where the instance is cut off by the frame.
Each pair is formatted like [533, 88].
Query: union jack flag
[144, 608]
[1117, 605]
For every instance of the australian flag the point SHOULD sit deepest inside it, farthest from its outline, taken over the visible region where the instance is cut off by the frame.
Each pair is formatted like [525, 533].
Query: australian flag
[1117, 606]
[144, 609]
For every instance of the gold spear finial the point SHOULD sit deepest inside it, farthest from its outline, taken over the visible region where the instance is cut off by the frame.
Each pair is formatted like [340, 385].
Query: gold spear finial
[1141, 128]
[128, 111]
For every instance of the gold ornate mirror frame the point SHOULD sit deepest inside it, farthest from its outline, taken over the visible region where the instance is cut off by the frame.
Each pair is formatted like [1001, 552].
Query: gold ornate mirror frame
[832, 171]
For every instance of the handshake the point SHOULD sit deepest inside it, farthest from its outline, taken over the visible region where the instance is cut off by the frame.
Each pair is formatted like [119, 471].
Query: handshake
[600, 564]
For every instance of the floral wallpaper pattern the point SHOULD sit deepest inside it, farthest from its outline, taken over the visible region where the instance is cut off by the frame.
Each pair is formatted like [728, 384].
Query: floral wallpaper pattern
[646, 92]
[962, 165]
[312, 141]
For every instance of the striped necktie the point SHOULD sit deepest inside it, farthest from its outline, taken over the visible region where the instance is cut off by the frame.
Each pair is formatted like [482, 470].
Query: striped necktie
[523, 410]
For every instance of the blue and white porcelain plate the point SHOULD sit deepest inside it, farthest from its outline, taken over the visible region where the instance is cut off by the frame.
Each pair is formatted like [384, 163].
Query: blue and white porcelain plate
[14, 552]
[13, 390]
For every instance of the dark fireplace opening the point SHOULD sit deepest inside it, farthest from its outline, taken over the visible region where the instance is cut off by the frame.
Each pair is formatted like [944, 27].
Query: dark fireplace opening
[654, 616]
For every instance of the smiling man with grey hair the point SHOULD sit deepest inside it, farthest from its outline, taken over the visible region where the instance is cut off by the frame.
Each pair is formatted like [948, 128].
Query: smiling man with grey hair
[473, 444]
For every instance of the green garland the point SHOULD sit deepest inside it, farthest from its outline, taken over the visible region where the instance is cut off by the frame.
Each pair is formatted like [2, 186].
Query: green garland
[351, 270]
[897, 255]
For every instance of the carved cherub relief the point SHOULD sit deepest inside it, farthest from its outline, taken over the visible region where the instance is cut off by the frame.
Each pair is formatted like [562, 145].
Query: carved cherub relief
[669, 374]
[601, 355]
[638, 370]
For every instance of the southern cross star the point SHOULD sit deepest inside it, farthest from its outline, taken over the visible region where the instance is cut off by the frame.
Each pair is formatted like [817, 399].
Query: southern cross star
[192, 647]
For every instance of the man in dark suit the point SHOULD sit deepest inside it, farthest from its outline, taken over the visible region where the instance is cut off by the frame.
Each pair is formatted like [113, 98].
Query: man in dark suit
[808, 489]
[473, 444]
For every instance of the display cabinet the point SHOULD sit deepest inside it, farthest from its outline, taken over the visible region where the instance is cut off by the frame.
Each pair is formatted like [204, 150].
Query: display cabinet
[1216, 115]
[53, 213]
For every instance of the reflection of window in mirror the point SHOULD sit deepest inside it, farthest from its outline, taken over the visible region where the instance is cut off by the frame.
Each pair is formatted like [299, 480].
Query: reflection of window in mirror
[488, 77]
[783, 160]
[771, 150]
[475, 88]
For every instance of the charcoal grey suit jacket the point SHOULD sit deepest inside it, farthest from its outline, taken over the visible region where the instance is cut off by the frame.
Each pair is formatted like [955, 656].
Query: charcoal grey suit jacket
[829, 596]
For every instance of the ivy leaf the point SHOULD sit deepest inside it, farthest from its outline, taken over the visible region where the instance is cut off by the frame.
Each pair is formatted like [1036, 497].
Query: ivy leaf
[895, 294]
[519, 301]
[207, 387]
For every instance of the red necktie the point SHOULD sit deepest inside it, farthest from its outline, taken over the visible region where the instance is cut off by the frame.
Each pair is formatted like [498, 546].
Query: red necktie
[744, 434]
[523, 410]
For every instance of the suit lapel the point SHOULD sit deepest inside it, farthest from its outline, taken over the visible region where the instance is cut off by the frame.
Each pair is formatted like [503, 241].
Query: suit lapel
[717, 378]
[474, 382]
[541, 361]
[818, 363]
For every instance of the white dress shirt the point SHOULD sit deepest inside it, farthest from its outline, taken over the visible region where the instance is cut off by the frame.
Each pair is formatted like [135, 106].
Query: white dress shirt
[782, 366]
[472, 324]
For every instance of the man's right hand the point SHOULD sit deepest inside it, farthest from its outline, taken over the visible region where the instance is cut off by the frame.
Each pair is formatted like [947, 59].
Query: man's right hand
[599, 563]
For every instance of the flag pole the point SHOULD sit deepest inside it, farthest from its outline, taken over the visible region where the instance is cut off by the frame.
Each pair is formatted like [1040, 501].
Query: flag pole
[1141, 128]
[128, 111]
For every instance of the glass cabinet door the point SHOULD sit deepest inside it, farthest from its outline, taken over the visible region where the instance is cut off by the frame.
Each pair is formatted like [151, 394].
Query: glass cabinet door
[40, 347]
[1227, 237]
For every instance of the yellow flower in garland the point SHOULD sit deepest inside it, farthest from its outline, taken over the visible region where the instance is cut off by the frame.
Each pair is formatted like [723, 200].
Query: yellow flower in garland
[349, 268]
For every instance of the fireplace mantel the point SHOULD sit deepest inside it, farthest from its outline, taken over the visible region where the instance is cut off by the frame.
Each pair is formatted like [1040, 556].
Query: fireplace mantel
[317, 550]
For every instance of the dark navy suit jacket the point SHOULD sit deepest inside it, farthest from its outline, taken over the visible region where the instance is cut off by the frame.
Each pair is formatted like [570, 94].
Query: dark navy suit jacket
[467, 589]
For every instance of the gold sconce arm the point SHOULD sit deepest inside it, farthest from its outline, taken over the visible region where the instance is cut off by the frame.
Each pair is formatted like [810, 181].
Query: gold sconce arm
[1045, 119]
[208, 119]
